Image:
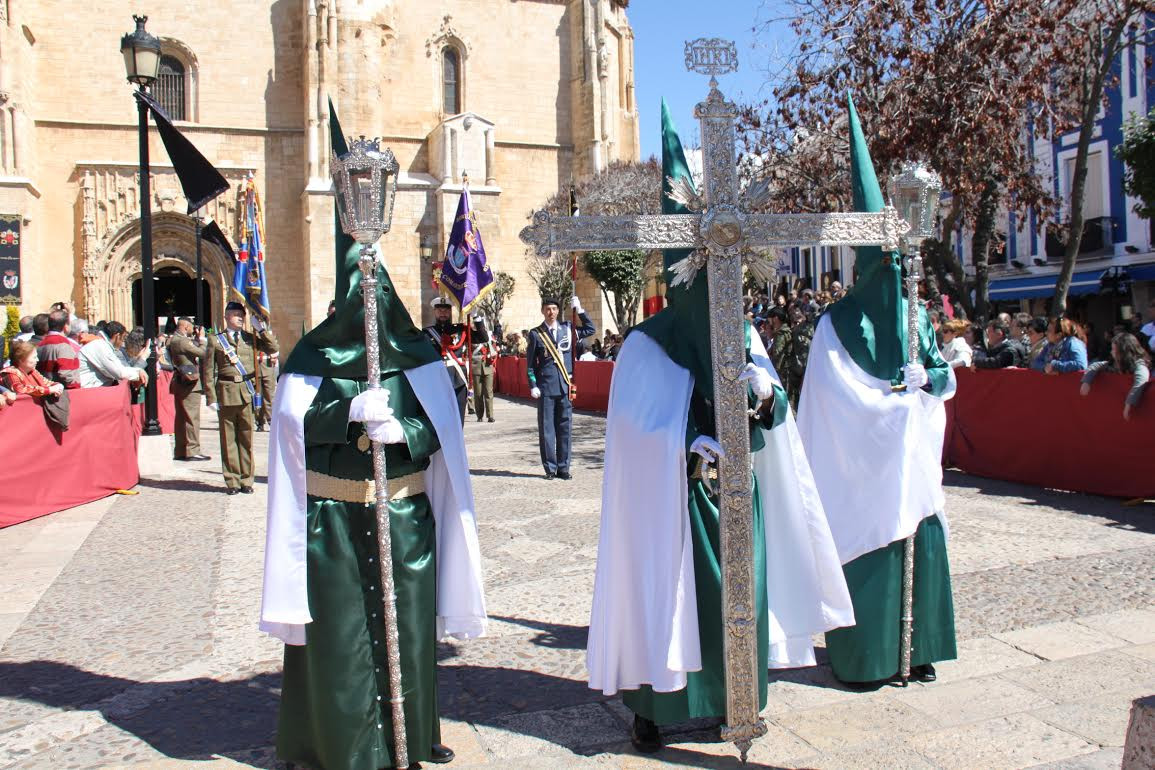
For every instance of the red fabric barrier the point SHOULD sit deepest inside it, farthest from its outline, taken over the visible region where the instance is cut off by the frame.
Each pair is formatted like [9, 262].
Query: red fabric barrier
[165, 405]
[47, 471]
[1024, 426]
[592, 378]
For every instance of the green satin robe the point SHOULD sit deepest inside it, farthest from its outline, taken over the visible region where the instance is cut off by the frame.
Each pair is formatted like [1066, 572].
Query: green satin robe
[869, 650]
[335, 711]
[705, 692]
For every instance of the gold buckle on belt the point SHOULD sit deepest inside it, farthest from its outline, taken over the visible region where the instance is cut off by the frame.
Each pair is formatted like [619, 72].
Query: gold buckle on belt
[361, 491]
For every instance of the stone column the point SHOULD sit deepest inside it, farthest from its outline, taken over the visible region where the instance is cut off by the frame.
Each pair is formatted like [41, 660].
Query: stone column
[1139, 750]
[490, 166]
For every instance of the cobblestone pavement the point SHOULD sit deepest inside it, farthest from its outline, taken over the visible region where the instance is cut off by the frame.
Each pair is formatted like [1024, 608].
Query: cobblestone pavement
[128, 633]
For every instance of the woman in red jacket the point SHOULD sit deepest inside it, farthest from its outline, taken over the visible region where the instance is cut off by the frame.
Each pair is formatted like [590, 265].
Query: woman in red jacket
[22, 377]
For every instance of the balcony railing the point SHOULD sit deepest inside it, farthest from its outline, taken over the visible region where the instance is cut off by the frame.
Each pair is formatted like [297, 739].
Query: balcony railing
[1098, 240]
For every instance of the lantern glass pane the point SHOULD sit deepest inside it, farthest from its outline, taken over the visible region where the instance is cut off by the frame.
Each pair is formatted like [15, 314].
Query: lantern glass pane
[147, 63]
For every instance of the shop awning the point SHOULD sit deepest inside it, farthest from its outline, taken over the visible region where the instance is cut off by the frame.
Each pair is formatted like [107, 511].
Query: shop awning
[1026, 287]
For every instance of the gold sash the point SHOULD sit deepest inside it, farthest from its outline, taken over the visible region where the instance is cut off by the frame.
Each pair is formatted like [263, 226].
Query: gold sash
[361, 492]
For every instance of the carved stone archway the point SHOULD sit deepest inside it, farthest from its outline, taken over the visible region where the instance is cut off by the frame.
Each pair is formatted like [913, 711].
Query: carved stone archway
[173, 244]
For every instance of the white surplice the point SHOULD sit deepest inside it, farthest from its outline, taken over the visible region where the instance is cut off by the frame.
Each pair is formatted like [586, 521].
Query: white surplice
[876, 454]
[460, 596]
[644, 624]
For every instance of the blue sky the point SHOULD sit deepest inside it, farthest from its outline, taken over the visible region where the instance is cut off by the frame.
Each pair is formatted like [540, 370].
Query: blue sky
[661, 29]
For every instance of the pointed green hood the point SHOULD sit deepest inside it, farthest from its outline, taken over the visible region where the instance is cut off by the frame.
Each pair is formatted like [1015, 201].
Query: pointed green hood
[871, 319]
[336, 346]
[683, 327]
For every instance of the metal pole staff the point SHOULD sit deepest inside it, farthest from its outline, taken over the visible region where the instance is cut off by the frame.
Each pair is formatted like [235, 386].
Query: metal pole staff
[368, 265]
[199, 315]
[913, 273]
[147, 289]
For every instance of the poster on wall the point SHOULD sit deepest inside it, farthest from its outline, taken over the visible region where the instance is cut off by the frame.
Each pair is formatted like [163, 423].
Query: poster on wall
[10, 259]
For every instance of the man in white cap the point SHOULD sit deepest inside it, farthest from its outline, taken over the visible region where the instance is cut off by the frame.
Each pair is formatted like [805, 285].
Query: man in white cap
[453, 345]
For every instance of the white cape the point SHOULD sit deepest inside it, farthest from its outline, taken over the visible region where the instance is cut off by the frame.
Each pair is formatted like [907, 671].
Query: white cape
[460, 597]
[644, 624]
[876, 455]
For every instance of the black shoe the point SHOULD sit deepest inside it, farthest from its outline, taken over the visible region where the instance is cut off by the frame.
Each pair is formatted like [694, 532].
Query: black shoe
[197, 458]
[440, 754]
[564, 475]
[550, 475]
[231, 491]
[247, 490]
[863, 686]
[260, 427]
[924, 673]
[645, 736]
[480, 418]
[492, 420]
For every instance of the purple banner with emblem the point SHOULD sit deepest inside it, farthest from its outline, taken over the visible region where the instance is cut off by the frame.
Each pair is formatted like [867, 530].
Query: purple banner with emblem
[465, 275]
[10, 289]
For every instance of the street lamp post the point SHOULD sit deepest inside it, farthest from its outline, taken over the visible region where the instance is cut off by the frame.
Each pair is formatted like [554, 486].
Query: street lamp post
[198, 315]
[141, 61]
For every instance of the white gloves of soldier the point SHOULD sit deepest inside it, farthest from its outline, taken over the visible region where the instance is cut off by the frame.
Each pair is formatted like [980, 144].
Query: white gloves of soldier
[372, 408]
[258, 324]
[535, 392]
[576, 304]
[707, 448]
[760, 381]
[915, 376]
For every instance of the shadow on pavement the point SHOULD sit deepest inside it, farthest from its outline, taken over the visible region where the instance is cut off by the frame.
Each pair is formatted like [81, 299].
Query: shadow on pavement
[1138, 518]
[195, 719]
[503, 474]
[556, 636]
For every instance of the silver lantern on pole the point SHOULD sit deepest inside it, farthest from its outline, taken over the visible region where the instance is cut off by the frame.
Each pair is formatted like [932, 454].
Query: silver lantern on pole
[914, 192]
[365, 186]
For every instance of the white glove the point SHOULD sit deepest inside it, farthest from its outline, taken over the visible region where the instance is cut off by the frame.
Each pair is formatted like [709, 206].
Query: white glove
[535, 392]
[258, 325]
[915, 376]
[387, 431]
[576, 303]
[760, 381]
[370, 406]
[707, 448]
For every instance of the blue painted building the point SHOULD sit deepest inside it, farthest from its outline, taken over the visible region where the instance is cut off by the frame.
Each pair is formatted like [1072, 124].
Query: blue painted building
[1116, 241]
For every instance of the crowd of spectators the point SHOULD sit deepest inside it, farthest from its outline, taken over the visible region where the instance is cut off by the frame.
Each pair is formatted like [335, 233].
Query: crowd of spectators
[56, 351]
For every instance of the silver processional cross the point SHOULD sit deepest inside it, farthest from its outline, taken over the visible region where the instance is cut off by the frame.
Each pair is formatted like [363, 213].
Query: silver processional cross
[726, 239]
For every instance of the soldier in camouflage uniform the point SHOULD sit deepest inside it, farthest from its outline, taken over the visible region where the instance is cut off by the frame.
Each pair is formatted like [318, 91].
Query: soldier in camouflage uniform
[778, 343]
[798, 351]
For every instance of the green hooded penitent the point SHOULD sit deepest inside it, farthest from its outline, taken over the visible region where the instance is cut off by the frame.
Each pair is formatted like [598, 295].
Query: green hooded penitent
[683, 332]
[871, 325]
[335, 711]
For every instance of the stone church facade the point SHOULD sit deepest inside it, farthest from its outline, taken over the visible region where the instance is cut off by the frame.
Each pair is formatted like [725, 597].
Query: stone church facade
[518, 96]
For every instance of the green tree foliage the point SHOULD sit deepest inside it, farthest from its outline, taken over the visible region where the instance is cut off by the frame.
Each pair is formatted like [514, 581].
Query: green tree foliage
[1138, 153]
[494, 302]
[11, 328]
[620, 274]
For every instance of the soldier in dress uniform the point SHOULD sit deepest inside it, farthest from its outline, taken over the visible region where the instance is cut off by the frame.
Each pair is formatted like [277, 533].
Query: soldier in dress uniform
[186, 356]
[549, 364]
[449, 340]
[229, 389]
[267, 373]
[484, 371]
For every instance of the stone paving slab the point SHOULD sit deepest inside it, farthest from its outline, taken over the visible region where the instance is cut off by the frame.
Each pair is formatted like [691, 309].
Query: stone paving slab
[128, 638]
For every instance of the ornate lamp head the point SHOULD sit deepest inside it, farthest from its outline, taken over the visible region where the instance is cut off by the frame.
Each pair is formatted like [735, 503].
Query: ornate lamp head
[141, 54]
[365, 183]
[914, 192]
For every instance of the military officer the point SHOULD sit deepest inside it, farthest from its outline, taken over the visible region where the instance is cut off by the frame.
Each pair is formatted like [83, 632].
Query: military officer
[267, 374]
[484, 370]
[186, 356]
[449, 340]
[549, 364]
[229, 389]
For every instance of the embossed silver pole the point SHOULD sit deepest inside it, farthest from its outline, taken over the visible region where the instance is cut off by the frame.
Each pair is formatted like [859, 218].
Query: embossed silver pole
[915, 191]
[365, 186]
[368, 265]
[913, 274]
[725, 239]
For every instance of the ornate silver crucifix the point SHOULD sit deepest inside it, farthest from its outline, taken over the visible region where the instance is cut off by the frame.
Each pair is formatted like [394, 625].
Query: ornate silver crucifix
[726, 239]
